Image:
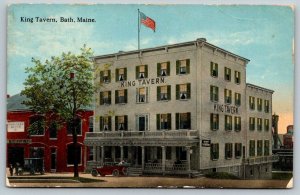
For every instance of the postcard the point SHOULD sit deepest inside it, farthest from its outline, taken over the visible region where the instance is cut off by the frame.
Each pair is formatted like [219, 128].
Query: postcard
[150, 96]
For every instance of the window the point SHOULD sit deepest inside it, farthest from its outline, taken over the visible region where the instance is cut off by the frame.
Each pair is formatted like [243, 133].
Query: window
[227, 96]
[163, 69]
[105, 97]
[214, 93]
[238, 150]
[214, 121]
[168, 153]
[142, 122]
[251, 148]
[267, 148]
[142, 95]
[267, 107]
[213, 69]
[121, 96]
[237, 99]
[259, 147]
[267, 125]
[163, 121]
[252, 103]
[163, 93]
[252, 123]
[121, 123]
[183, 91]
[77, 123]
[36, 152]
[53, 130]
[259, 104]
[121, 74]
[227, 74]
[91, 153]
[214, 151]
[36, 125]
[183, 66]
[228, 150]
[73, 153]
[237, 77]
[259, 124]
[91, 124]
[228, 122]
[105, 76]
[237, 123]
[183, 120]
[105, 123]
[141, 72]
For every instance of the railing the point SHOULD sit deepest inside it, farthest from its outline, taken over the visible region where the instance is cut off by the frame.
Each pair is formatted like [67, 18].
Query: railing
[261, 159]
[140, 134]
[153, 166]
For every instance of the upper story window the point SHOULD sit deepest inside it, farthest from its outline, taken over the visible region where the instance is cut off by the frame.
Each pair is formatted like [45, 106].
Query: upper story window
[121, 74]
[105, 76]
[227, 96]
[214, 121]
[237, 77]
[141, 72]
[163, 121]
[259, 124]
[228, 122]
[214, 93]
[267, 125]
[259, 147]
[163, 69]
[213, 69]
[183, 66]
[36, 125]
[214, 151]
[267, 106]
[266, 147]
[228, 150]
[121, 123]
[251, 102]
[53, 130]
[252, 123]
[78, 126]
[105, 97]
[259, 104]
[183, 120]
[252, 148]
[237, 123]
[237, 99]
[183, 91]
[91, 124]
[227, 74]
[121, 96]
[142, 95]
[238, 150]
[105, 123]
[164, 93]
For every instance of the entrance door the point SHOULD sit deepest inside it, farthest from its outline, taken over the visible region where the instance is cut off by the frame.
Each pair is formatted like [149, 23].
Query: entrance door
[142, 122]
[15, 155]
[53, 159]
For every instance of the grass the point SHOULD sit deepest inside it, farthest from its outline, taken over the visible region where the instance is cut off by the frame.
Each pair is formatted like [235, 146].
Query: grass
[221, 175]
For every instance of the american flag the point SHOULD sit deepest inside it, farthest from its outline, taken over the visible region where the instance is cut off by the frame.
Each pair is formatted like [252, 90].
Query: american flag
[147, 21]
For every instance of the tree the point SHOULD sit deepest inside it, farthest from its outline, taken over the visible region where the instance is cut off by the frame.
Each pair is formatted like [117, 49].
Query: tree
[58, 88]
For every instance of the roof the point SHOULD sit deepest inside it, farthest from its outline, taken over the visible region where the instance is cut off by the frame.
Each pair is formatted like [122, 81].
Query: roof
[15, 103]
[163, 47]
[258, 87]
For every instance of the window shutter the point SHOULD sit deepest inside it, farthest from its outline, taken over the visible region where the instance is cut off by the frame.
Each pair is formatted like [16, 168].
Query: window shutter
[211, 122]
[169, 121]
[217, 121]
[211, 152]
[109, 97]
[217, 151]
[189, 120]
[146, 71]
[168, 68]
[137, 71]
[101, 123]
[189, 90]
[217, 69]
[177, 92]
[211, 93]
[109, 123]
[217, 96]
[125, 74]
[158, 121]
[101, 76]
[147, 94]
[177, 120]
[117, 74]
[101, 98]
[109, 75]
[125, 122]
[158, 93]
[169, 92]
[116, 123]
[188, 66]
[177, 66]
[137, 95]
[116, 97]
[158, 69]
[125, 95]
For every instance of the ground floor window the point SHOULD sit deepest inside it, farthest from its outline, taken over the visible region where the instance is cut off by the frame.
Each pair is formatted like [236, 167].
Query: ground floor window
[228, 150]
[36, 152]
[168, 153]
[259, 147]
[214, 151]
[238, 150]
[180, 153]
[251, 148]
[267, 148]
[73, 153]
[91, 153]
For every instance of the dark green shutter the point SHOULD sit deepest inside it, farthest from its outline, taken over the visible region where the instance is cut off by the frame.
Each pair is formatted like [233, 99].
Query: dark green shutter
[217, 121]
[211, 122]
[125, 74]
[117, 74]
[211, 68]
[109, 75]
[211, 152]
[177, 120]
[211, 93]
[217, 91]
[109, 97]
[126, 122]
[158, 121]
[116, 123]
[116, 97]
[189, 120]
[101, 76]
[177, 66]
[158, 93]
[168, 68]
[125, 95]
[217, 156]
[188, 66]
[101, 123]
[169, 121]
[109, 123]
[169, 92]
[217, 69]
[137, 71]
[188, 90]
[177, 92]
[146, 71]
[101, 98]
[158, 69]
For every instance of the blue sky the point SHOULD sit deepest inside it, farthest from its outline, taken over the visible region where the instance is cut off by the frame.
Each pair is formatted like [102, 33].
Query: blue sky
[263, 34]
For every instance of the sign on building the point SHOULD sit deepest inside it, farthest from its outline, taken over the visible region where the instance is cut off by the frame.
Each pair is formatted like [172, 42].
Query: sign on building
[15, 127]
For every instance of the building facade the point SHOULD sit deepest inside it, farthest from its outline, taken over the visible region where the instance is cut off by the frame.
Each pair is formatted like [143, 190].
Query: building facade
[52, 144]
[180, 109]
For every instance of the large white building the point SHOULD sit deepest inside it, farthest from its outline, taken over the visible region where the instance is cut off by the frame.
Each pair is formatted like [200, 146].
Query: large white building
[181, 109]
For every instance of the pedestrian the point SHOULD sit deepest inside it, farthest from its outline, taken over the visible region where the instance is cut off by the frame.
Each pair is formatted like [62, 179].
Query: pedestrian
[11, 169]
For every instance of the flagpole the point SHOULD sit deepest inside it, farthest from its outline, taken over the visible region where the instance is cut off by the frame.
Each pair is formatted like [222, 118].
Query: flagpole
[139, 29]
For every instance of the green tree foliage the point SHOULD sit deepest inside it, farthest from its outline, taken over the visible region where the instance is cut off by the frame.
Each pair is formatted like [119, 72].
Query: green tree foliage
[58, 88]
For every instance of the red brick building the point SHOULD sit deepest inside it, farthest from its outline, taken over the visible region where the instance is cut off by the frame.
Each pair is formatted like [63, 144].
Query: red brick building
[54, 145]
